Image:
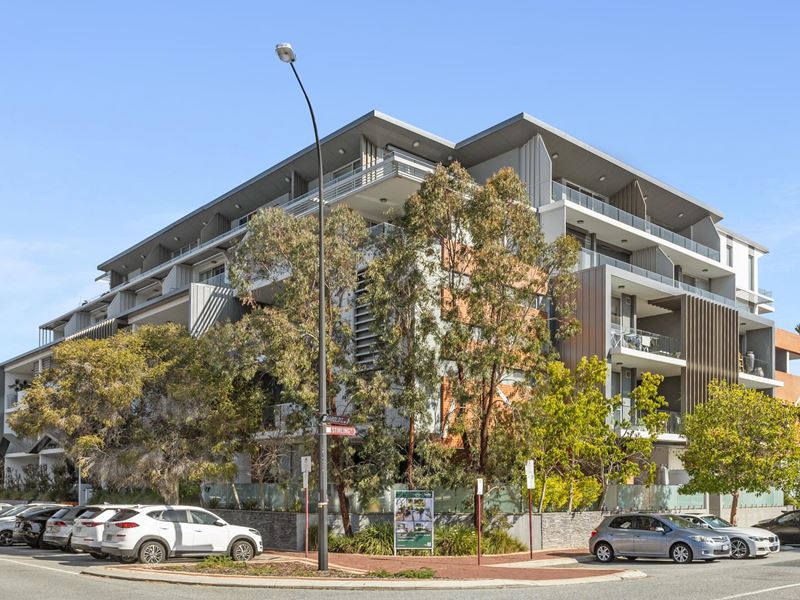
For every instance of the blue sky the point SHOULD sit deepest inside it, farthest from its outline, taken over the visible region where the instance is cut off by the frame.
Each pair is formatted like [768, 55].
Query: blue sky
[116, 119]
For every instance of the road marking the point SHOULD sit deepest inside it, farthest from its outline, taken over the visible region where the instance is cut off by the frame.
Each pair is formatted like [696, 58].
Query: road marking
[764, 591]
[28, 564]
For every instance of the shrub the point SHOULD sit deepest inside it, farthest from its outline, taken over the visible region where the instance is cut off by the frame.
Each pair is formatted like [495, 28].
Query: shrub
[499, 541]
[220, 561]
[421, 573]
[455, 540]
[250, 504]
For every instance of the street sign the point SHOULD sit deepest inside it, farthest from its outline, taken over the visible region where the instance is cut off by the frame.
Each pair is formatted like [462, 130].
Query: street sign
[413, 520]
[530, 475]
[345, 430]
[479, 489]
[337, 420]
[305, 464]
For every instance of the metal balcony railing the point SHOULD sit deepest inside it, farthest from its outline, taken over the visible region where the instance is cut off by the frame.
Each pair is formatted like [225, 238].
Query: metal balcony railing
[562, 192]
[627, 413]
[593, 259]
[765, 292]
[220, 280]
[645, 341]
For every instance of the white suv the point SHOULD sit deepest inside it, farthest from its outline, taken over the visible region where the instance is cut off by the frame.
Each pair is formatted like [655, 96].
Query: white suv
[87, 531]
[153, 534]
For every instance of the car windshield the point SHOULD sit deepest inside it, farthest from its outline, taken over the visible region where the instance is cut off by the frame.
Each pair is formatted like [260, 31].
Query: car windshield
[716, 522]
[679, 521]
[14, 510]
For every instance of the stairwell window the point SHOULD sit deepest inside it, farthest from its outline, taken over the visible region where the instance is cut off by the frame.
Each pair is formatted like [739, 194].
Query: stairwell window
[751, 272]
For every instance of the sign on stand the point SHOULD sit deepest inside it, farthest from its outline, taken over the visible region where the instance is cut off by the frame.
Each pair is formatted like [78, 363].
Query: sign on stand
[305, 467]
[530, 476]
[413, 520]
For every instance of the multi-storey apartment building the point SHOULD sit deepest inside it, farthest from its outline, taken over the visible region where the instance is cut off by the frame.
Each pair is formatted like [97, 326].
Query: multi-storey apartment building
[664, 288]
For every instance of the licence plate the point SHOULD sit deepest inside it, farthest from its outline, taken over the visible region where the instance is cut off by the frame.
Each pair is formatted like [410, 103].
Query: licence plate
[726, 547]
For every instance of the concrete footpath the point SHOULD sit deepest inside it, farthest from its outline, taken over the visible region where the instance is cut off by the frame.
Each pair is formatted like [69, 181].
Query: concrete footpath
[513, 570]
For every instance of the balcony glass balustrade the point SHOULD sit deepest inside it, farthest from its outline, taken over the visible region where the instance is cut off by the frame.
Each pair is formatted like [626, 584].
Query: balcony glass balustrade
[562, 192]
[645, 341]
[590, 259]
[627, 415]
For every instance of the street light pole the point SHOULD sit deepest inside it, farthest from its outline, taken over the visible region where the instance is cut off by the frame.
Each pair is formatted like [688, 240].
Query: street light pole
[287, 55]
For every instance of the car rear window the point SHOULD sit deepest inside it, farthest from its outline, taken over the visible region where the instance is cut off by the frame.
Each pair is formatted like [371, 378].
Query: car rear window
[60, 513]
[123, 515]
[91, 513]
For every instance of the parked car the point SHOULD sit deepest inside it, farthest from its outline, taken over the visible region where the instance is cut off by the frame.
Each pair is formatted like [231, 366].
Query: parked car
[29, 525]
[637, 535]
[4, 507]
[153, 534]
[9, 519]
[745, 541]
[786, 527]
[87, 530]
[58, 530]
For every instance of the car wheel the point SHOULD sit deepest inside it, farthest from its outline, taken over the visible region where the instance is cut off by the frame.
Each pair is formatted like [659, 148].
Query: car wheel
[242, 551]
[6, 537]
[604, 552]
[739, 548]
[681, 553]
[152, 553]
[98, 555]
[68, 547]
[126, 560]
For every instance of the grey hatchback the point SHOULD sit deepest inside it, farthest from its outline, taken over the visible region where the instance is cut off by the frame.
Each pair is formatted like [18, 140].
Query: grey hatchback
[656, 536]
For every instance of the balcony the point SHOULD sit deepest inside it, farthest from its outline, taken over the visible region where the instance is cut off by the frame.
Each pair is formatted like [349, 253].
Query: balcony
[219, 280]
[627, 414]
[757, 374]
[590, 259]
[13, 399]
[562, 192]
[645, 351]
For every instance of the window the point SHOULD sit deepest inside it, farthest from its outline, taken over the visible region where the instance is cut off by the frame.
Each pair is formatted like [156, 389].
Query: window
[751, 272]
[622, 523]
[123, 515]
[729, 249]
[171, 516]
[214, 275]
[203, 518]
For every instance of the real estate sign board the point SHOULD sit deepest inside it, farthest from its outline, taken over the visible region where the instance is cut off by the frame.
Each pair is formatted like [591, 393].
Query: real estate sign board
[413, 520]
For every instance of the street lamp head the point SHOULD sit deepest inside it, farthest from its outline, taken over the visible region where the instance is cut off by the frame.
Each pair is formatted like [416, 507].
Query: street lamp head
[285, 52]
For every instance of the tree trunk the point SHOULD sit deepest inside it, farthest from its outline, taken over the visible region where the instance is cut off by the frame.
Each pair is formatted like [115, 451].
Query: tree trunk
[410, 457]
[734, 507]
[169, 490]
[571, 495]
[344, 508]
[541, 498]
[236, 496]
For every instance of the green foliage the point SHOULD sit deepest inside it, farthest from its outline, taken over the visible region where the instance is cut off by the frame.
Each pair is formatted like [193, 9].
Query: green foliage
[740, 439]
[284, 338]
[146, 408]
[122, 496]
[421, 573]
[377, 538]
[462, 540]
[250, 504]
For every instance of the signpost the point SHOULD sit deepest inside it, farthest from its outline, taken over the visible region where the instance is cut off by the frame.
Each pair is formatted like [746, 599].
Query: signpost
[413, 520]
[305, 467]
[479, 500]
[530, 476]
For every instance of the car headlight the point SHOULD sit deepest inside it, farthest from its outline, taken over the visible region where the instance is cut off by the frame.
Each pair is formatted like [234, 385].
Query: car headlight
[756, 538]
[702, 538]
[255, 532]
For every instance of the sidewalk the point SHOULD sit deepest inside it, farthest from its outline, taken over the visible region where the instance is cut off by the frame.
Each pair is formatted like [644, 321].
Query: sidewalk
[514, 570]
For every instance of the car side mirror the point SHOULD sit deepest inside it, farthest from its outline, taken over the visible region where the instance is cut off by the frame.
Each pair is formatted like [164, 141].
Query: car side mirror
[220, 523]
[660, 530]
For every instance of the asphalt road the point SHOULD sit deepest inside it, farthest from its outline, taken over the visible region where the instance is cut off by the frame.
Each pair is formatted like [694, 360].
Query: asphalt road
[31, 575]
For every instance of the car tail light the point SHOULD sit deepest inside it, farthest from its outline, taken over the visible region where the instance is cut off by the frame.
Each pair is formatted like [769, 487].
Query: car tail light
[594, 533]
[60, 524]
[126, 525]
[92, 523]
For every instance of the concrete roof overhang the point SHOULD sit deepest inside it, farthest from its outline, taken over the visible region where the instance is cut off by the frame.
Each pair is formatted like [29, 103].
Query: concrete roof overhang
[580, 162]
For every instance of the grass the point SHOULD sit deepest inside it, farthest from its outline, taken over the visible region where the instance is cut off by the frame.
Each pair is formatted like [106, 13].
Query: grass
[421, 573]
